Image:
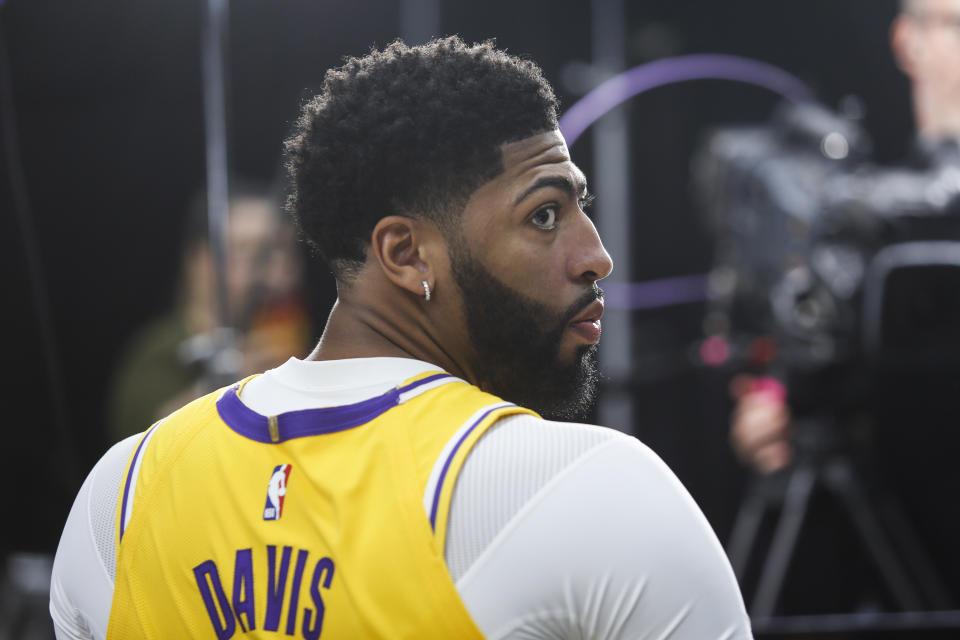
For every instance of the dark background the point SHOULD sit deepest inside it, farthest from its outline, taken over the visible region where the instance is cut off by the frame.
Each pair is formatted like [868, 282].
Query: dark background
[108, 101]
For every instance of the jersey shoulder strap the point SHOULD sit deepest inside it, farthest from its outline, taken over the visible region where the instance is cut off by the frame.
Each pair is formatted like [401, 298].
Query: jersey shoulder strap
[469, 413]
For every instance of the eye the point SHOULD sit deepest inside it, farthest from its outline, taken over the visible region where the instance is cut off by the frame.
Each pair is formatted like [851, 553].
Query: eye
[586, 201]
[545, 218]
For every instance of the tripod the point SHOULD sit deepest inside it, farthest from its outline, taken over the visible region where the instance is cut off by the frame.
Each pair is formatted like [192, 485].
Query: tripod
[823, 459]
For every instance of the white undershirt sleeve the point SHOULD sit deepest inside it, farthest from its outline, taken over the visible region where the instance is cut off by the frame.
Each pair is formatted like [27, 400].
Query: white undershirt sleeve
[513, 460]
[613, 547]
[84, 570]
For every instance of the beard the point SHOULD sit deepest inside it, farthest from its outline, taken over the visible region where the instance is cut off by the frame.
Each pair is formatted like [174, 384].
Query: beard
[517, 342]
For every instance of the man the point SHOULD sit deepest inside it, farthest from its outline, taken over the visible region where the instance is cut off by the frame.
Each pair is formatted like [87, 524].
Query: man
[381, 488]
[905, 425]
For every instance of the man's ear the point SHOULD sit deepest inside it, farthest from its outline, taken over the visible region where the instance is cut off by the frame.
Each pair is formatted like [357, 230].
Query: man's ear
[904, 40]
[404, 248]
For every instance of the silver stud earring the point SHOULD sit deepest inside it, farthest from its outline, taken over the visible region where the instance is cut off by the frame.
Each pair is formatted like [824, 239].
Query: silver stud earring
[426, 290]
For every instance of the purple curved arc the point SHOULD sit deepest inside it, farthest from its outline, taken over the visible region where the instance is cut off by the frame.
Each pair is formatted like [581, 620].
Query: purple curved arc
[648, 76]
[654, 294]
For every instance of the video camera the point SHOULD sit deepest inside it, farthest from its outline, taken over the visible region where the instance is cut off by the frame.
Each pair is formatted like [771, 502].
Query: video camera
[830, 256]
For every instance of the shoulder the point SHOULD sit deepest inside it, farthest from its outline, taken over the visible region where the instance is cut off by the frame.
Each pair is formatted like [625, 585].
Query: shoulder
[585, 459]
[520, 454]
[626, 542]
[604, 484]
[527, 444]
[81, 586]
[158, 339]
[531, 433]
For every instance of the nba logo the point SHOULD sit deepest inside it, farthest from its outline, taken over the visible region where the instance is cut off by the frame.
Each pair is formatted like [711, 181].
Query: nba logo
[276, 490]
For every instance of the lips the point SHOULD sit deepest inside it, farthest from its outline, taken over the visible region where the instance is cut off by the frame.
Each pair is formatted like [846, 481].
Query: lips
[587, 323]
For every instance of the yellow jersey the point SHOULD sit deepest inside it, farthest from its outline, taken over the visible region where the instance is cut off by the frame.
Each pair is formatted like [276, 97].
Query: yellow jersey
[319, 523]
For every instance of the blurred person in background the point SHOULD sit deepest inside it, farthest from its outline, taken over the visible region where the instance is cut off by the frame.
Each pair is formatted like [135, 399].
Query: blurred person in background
[910, 415]
[925, 38]
[168, 362]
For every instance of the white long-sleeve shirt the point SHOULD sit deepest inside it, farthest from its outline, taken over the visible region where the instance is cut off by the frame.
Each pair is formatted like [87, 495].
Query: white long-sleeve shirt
[556, 530]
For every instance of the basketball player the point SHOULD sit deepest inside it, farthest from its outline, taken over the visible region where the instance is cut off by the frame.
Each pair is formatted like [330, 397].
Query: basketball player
[398, 483]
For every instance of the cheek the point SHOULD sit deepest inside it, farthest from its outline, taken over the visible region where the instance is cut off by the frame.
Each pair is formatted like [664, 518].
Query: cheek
[534, 269]
[536, 278]
[943, 55]
[951, 68]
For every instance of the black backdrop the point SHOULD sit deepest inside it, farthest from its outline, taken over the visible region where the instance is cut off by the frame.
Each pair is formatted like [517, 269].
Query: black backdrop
[109, 107]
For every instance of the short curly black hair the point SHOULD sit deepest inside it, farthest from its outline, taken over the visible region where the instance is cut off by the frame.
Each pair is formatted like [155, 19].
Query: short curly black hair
[410, 131]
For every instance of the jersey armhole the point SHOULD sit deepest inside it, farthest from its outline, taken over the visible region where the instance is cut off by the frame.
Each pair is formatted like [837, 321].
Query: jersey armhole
[128, 486]
[443, 476]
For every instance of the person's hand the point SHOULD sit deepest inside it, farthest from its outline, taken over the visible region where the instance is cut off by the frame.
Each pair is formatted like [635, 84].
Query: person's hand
[760, 427]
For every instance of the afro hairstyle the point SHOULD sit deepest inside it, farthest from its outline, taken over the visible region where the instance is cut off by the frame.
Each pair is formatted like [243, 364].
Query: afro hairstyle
[407, 131]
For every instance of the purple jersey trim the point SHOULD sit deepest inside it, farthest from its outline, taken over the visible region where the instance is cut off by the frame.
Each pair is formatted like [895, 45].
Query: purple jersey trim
[130, 472]
[310, 422]
[446, 464]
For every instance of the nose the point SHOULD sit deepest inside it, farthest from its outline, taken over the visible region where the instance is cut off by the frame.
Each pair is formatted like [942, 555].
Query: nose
[590, 261]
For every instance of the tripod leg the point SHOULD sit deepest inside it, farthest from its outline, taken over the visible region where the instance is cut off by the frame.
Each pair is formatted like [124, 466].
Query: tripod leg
[745, 528]
[842, 481]
[795, 503]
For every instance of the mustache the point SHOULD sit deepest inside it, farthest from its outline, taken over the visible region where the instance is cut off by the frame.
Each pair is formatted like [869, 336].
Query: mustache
[593, 294]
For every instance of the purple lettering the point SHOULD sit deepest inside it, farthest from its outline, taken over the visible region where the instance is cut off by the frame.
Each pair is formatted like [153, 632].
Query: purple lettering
[208, 582]
[295, 591]
[324, 570]
[243, 603]
[277, 586]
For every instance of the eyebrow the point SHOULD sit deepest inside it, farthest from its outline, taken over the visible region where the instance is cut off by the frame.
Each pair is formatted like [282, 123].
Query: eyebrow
[559, 182]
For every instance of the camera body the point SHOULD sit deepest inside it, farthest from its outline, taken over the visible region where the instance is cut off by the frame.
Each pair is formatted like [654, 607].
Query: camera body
[834, 258]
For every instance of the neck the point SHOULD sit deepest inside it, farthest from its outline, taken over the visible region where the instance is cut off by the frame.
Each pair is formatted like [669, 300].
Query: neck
[372, 325]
